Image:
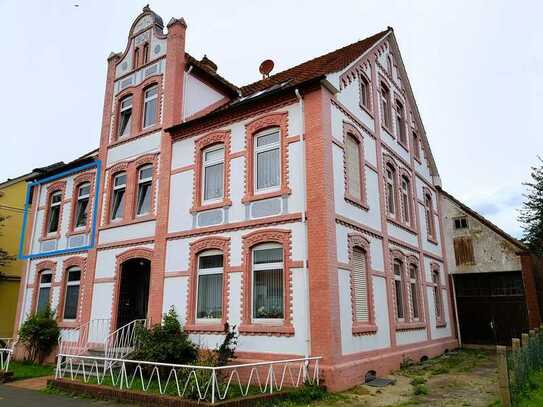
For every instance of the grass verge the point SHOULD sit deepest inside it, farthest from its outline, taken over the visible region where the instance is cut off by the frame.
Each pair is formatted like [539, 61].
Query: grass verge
[28, 370]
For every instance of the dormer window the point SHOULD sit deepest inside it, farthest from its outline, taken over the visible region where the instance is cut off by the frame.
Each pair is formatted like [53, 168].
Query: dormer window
[125, 116]
[54, 212]
[150, 106]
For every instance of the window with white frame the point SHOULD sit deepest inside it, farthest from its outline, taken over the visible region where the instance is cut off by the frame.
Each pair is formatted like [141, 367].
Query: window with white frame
[150, 106]
[145, 181]
[268, 281]
[360, 284]
[438, 299]
[400, 123]
[44, 290]
[353, 164]
[71, 297]
[125, 116]
[213, 173]
[406, 206]
[82, 205]
[54, 212]
[118, 196]
[413, 292]
[461, 223]
[385, 105]
[209, 285]
[391, 189]
[399, 290]
[267, 159]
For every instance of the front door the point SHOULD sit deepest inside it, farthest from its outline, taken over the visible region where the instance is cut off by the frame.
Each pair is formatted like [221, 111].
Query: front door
[133, 291]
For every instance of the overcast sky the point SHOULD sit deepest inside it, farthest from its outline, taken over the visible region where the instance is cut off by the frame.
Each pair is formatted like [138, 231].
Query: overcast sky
[476, 68]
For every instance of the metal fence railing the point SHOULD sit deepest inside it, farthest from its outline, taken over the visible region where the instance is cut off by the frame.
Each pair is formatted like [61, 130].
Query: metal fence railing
[517, 366]
[5, 357]
[203, 383]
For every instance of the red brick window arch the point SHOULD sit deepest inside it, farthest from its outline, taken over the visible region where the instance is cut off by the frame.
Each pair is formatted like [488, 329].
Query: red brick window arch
[267, 283]
[208, 284]
[361, 285]
[43, 285]
[212, 171]
[354, 166]
[82, 201]
[125, 116]
[53, 215]
[266, 169]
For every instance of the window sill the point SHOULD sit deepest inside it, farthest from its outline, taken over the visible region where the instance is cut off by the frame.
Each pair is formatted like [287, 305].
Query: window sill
[441, 324]
[364, 329]
[401, 225]
[82, 231]
[366, 109]
[389, 132]
[55, 236]
[403, 145]
[432, 240]
[258, 197]
[206, 207]
[68, 324]
[263, 329]
[137, 135]
[204, 328]
[417, 159]
[127, 222]
[408, 326]
[356, 202]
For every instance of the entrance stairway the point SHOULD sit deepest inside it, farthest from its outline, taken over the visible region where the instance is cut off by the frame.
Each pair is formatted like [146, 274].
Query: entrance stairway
[92, 339]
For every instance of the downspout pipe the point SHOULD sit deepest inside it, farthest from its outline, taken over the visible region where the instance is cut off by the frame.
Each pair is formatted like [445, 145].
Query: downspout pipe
[304, 222]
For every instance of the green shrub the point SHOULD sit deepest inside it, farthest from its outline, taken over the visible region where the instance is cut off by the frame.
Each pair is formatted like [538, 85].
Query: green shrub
[227, 349]
[418, 380]
[39, 333]
[420, 389]
[165, 343]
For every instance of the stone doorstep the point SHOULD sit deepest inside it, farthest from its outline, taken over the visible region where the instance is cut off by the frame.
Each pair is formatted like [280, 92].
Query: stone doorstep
[149, 399]
[36, 383]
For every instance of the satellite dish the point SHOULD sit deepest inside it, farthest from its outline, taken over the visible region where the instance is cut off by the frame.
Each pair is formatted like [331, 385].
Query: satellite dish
[266, 67]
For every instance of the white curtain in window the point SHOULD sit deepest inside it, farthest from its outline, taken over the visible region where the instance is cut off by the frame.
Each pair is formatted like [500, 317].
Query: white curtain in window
[353, 167]
[267, 169]
[268, 283]
[213, 181]
[360, 285]
[210, 282]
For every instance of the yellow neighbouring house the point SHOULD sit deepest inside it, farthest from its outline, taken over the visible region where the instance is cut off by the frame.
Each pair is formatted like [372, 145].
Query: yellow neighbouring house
[12, 197]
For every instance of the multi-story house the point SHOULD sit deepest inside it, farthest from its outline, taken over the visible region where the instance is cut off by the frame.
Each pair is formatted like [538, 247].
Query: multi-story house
[301, 208]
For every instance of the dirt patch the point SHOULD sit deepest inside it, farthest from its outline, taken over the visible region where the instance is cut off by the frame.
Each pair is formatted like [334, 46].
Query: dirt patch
[463, 378]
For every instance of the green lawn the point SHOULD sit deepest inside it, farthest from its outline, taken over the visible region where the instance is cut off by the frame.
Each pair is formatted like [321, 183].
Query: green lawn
[27, 370]
[535, 396]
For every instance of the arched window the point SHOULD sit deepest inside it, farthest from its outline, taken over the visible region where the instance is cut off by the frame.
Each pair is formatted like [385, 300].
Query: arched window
[136, 61]
[385, 106]
[438, 298]
[143, 198]
[150, 106]
[430, 226]
[390, 178]
[400, 123]
[416, 145]
[82, 205]
[406, 199]
[413, 292]
[360, 284]
[44, 290]
[389, 65]
[267, 160]
[210, 285]
[125, 116]
[268, 272]
[353, 166]
[213, 173]
[365, 92]
[118, 192]
[145, 53]
[71, 297]
[55, 203]
[399, 290]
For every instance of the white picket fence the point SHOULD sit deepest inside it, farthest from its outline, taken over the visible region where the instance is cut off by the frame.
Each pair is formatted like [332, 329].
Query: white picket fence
[209, 383]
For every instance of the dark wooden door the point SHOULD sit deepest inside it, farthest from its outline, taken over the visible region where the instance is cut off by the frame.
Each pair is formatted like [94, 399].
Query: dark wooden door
[491, 307]
[133, 291]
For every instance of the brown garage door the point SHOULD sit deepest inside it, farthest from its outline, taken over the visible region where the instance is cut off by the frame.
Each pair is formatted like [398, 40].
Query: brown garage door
[491, 307]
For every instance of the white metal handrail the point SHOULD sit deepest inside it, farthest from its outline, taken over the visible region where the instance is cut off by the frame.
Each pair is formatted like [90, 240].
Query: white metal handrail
[5, 357]
[76, 341]
[122, 341]
[206, 382]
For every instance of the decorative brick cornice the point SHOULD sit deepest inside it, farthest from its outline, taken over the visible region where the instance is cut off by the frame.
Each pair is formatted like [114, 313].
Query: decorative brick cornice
[208, 140]
[275, 119]
[197, 247]
[284, 238]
